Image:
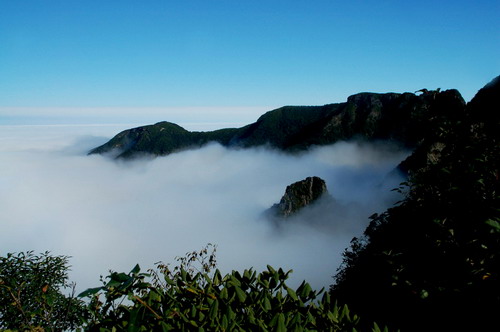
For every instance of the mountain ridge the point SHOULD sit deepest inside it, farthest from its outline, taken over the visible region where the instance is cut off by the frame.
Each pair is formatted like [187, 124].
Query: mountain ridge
[398, 117]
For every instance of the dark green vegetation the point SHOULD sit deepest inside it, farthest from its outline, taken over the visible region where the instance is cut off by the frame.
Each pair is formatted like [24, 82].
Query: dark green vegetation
[162, 138]
[188, 299]
[433, 261]
[31, 293]
[401, 118]
[193, 296]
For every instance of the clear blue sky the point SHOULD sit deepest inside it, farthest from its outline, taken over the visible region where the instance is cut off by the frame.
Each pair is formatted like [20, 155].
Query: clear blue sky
[139, 54]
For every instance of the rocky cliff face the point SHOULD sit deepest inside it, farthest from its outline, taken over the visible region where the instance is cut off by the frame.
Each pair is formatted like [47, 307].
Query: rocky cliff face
[299, 195]
[402, 118]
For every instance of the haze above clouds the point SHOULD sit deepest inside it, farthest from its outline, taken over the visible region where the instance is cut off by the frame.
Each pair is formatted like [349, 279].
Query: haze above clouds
[112, 215]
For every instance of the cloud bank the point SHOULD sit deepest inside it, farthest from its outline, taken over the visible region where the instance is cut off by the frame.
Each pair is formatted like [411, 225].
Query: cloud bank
[112, 215]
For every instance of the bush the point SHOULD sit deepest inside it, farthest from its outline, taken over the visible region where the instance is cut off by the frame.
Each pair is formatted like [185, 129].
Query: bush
[31, 295]
[186, 299]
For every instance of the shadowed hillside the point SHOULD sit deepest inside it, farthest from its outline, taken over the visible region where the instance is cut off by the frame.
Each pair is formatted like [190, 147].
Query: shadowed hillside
[402, 118]
[432, 263]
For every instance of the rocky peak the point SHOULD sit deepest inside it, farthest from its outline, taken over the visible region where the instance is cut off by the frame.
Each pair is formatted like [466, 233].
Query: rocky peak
[299, 195]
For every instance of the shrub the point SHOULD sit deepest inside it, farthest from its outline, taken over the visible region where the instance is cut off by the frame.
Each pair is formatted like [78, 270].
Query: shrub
[186, 299]
[31, 293]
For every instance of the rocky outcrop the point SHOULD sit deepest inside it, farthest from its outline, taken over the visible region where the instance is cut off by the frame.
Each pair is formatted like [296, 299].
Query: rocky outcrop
[299, 195]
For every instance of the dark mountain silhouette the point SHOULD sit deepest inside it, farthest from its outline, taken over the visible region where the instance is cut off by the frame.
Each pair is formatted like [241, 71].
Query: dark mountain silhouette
[402, 118]
[432, 263]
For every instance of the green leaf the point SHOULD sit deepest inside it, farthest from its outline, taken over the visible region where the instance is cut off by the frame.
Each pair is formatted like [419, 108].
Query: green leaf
[296, 321]
[332, 317]
[165, 327]
[214, 309]
[90, 291]
[127, 283]
[310, 318]
[113, 283]
[235, 281]
[119, 276]
[240, 294]
[132, 321]
[345, 312]
[292, 293]
[335, 309]
[493, 223]
[326, 298]
[136, 269]
[217, 277]
[143, 285]
[193, 311]
[305, 292]
[168, 280]
[262, 326]
[281, 323]
[251, 316]
[224, 294]
[267, 304]
[224, 323]
[230, 314]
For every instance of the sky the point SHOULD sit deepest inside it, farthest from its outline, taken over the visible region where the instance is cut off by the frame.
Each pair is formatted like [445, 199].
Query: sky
[230, 61]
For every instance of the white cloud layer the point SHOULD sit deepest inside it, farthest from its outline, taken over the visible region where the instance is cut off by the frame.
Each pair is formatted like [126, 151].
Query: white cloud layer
[112, 215]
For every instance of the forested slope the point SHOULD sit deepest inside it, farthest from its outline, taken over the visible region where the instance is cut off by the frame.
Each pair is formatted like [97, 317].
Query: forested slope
[433, 261]
[401, 118]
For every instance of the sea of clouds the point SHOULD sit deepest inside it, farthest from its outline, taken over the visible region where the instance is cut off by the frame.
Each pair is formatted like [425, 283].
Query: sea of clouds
[111, 215]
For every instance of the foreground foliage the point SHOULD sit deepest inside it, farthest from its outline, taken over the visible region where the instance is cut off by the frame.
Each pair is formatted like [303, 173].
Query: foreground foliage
[31, 293]
[187, 299]
[192, 296]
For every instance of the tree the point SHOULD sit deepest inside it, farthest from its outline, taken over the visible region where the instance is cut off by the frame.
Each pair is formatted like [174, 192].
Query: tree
[31, 294]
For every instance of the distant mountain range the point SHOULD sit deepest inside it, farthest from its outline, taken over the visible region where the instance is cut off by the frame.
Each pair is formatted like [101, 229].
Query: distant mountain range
[402, 118]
